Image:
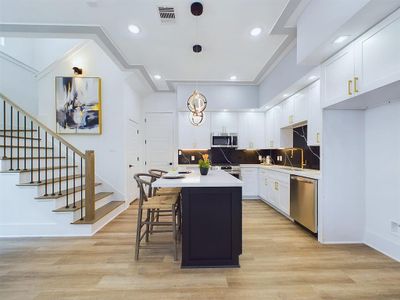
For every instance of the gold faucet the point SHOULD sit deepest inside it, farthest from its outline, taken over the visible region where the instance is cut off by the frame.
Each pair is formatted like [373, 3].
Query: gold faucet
[303, 164]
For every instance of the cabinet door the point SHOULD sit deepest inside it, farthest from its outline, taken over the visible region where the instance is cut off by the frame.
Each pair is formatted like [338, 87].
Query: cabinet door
[225, 122]
[337, 77]
[185, 137]
[269, 129]
[284, 197]
[249, 177]
[262, 184]
[193, 137]
[257, 131]
[300, 106]
[287, 116]
[243, 132]
[314, 124]
[378, 55]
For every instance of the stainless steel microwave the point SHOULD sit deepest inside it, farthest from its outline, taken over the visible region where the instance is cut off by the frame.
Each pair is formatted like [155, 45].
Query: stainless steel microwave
[226, 140]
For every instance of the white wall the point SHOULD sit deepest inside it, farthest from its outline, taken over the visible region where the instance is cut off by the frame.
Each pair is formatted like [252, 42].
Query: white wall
[341, 212]
[219, 97]
[119, 102]
[19, 84]
[284, 75]
[382, 181]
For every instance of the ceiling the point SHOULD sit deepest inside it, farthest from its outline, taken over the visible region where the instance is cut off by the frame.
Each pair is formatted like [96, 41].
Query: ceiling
[166, 49]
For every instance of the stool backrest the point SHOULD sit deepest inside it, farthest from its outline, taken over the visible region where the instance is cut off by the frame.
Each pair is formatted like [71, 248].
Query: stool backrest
[144, 182]
[158, 173]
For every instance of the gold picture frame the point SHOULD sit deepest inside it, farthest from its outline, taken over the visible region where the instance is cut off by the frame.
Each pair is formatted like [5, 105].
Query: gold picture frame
[78, 105]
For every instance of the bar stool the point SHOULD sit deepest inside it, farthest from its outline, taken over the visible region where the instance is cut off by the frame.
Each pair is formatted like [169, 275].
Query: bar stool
[157, 173]
[150, 204]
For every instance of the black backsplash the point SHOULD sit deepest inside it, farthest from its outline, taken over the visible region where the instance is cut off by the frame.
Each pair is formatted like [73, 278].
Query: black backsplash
[234, 156]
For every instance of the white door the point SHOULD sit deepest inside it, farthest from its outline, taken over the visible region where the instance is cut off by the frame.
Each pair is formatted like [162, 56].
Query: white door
[134, 159]
[159, 141]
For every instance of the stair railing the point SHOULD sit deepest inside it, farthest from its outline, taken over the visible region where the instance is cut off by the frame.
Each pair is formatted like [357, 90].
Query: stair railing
[19, 124]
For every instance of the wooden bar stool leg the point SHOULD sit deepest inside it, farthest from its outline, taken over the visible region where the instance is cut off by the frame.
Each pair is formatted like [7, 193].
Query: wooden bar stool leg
[138, 233]
[147, 225]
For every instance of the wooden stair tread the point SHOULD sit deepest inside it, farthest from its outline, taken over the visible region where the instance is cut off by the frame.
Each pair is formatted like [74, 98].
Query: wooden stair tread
[78, 204]
[36, 169]
[101, 212]
[65, 192]
[49, 180]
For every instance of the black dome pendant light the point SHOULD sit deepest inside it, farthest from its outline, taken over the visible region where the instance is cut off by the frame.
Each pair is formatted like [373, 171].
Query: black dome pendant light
[197, 102]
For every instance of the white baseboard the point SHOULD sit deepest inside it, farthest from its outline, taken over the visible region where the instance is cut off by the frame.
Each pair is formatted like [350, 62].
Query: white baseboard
[383, 245]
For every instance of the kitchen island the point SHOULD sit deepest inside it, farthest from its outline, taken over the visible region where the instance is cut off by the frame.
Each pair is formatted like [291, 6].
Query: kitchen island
[211, 218]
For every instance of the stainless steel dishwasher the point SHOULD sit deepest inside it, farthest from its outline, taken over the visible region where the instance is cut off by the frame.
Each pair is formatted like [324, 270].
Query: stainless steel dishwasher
[304, 201]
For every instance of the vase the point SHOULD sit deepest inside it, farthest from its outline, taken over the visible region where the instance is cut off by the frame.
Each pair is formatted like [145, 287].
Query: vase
[203, 171]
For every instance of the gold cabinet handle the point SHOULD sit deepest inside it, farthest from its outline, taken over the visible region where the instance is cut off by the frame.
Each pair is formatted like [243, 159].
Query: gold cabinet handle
[349, 87]
[355, 84]
[318, 138]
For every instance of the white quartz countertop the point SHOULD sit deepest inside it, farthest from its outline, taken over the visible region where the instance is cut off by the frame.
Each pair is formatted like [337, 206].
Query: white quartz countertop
[215, 178]
[314, 174]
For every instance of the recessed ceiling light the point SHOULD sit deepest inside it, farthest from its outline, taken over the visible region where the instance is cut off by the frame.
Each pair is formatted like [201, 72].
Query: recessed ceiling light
[312, 77]
[255, 31]
[157, 76]
[2, 41]
[233, 77]
[341, 39]
[134, 29]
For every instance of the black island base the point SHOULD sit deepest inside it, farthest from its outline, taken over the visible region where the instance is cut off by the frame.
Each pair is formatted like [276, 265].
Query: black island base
[211, 227]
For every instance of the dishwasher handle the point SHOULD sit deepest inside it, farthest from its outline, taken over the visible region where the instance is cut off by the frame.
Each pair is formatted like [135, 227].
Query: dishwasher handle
[302, 179]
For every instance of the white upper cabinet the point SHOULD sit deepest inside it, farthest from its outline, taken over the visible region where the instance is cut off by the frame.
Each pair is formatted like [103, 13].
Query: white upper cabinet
[224, 122]
[314, 125]
[287, 112]
[193, 137]
[377, 55]
[251, 132]
[338, 77]
[300, 106]
[370, 62]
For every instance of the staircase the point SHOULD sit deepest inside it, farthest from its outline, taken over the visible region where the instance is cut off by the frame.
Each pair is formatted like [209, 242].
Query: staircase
[47, 186]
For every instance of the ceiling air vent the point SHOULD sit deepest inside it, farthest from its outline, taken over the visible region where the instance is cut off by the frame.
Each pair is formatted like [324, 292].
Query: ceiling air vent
[167, 14]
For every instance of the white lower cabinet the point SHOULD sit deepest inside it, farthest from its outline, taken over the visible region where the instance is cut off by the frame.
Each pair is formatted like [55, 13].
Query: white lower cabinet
[249, 176]
[274, 188]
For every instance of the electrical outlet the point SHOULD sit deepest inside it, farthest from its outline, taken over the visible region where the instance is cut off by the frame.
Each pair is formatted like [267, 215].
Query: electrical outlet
[260, 158]
[180, 152]
[395, 227]
[192, 157]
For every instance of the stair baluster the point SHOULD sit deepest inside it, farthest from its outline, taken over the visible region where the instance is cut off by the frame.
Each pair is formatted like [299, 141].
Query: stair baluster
[82, 188]
[11, 139]
[66, 183]
[31, 152]
[45, 164]
[73, 176]
[59, 170]
[25, 143]
[52, 166]
[17, 140]
[38, 131]
[4, 128]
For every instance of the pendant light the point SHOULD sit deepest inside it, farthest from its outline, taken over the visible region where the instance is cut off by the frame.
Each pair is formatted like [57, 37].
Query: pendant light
[196, 118]
[197, 102]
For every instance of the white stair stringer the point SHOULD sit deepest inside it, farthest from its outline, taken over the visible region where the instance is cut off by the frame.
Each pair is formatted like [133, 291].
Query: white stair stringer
[24, 216]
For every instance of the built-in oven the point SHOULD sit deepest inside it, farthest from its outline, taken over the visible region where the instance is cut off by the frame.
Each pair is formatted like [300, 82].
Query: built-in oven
[225, 140]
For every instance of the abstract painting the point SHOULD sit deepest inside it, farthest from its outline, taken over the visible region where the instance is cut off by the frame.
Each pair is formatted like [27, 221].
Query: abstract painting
[78, 105]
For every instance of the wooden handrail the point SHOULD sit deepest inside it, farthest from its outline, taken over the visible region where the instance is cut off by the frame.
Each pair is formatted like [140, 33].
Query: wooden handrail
[51, 132]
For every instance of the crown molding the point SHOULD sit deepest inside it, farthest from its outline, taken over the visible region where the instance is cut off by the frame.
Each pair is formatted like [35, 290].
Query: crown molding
[17, 62]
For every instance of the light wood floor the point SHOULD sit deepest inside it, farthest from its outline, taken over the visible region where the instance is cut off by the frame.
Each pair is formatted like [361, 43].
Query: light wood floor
[280, 261]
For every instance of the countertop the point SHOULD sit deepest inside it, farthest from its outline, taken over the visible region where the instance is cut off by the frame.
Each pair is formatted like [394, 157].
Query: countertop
[314, 174]
[215, 178]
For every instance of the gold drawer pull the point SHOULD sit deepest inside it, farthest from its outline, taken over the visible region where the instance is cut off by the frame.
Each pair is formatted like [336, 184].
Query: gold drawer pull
[355, 84]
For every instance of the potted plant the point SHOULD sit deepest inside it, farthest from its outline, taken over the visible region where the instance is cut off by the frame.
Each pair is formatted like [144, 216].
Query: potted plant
[204, 164]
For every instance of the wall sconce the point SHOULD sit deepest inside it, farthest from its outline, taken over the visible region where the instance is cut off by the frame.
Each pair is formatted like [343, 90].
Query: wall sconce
[77, 71]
